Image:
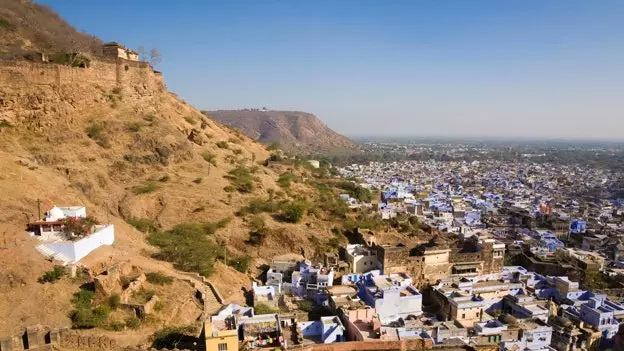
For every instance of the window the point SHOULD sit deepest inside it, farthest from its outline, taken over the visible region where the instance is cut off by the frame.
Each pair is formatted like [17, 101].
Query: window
[222, 347]
[463, 315]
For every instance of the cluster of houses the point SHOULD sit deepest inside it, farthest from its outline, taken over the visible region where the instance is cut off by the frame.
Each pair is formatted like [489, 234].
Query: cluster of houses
[438, 293]
[491, 268]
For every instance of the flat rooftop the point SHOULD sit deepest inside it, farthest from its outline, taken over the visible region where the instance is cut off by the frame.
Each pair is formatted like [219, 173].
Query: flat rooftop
[338, 290]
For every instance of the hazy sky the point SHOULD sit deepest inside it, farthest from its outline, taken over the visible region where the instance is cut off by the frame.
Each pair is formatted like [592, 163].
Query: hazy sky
[541, 68]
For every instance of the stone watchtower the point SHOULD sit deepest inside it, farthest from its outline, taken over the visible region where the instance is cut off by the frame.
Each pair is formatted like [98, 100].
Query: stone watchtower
[116, 50]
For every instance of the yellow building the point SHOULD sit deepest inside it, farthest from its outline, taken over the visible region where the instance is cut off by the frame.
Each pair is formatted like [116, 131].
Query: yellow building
[221, 335]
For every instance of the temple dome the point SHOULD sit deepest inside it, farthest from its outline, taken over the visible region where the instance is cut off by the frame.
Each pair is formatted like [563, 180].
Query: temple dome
[54, 214]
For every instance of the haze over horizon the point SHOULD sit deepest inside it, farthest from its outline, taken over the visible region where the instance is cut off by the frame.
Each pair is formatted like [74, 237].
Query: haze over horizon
[536, 69]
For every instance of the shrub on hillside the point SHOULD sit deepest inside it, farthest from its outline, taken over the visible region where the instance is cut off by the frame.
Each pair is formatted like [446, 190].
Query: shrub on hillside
[159, 278]
[85, 315]
[114, 301]
[241, 179]
[285, 179]
[144, 225]
[188, 247]
[53, 275]
[133, 322]
[261, 308]
[5, 124]
[146, 188]
[174, 338]
[222, 144]
[133, 127]
[273, 146]
[241, 263]
[258, 205]
[96, 132]
[292, 212]
[210, 157]
[356, 191]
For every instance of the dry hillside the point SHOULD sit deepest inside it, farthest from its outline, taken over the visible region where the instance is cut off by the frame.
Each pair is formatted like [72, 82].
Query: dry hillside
[27, 27]
[292, 130]
[112, 138]
[135, 151]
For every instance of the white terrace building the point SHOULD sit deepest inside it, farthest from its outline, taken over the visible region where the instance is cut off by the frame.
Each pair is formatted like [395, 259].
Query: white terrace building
[67, 247]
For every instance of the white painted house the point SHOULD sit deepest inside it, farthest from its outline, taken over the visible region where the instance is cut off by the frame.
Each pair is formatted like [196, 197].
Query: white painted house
[68, 247]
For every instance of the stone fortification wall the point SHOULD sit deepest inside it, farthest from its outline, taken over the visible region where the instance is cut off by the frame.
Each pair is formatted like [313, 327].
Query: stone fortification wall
[42, 339]
[107, 74]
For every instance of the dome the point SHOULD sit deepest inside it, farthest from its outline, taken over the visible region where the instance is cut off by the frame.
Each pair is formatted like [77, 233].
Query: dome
[54, 214]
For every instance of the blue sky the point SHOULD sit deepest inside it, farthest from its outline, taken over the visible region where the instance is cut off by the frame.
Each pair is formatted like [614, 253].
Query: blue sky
[536, 68]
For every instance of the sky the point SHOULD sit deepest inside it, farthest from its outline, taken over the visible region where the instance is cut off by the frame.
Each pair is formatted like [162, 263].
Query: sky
[534, 68]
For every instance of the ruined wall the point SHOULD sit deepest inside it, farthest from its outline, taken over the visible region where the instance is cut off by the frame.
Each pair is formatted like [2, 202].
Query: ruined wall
[106, 74]
[72, 340]
[43, 339]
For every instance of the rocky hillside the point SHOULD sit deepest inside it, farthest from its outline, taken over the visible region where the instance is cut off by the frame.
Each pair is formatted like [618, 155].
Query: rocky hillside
[112, 138]
[27, 27]
[294, 131]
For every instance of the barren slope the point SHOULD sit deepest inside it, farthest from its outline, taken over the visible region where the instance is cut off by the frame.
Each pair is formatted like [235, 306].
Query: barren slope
[295, 131]
[144, 138]
[28, 27]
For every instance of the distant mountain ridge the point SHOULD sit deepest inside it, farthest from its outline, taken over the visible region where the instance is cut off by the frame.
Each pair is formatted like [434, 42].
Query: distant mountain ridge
[293, 130]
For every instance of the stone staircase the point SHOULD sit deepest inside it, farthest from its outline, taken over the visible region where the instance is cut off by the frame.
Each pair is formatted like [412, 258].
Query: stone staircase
[47, 252]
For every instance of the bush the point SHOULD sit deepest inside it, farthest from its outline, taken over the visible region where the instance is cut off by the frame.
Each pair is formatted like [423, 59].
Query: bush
[84, 316]
[197, 180]
[258, 205]
[237, 151]
[210, 157]
[115, 326]
[241, 179]
[305, 305]
[285, 179]
[188, 247]
[133, 322]
[356, 191]
[174, 337]
[190, 119]
[159, 278]
[261, 308]
[241, 263]
[133, 127]
[292, 212]
[97, 133]
[146, 188]
[143, 295]
[222, 144]
[164, 179]
[4, 23]
[159, 306]
[114, 301]
[55, 274]
[5, 124]
[144, 225]
[273, 146]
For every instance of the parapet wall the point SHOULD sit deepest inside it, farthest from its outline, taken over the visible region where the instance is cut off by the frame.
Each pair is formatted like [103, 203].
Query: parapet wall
[104, 73]
[376, 345]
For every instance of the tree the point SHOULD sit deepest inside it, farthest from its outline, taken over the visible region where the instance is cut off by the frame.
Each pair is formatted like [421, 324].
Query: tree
[142, 53]
[155, 57]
